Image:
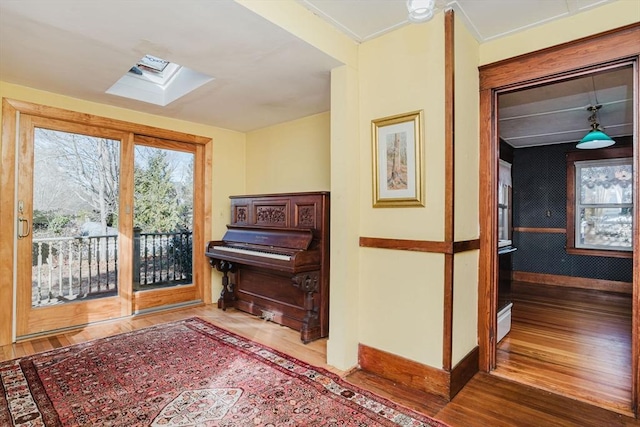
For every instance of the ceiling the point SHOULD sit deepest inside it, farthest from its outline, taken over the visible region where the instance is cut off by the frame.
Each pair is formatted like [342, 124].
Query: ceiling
[557, 113]
[264, 75]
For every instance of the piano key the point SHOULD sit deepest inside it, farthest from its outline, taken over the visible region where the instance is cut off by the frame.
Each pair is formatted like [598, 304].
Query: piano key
[265, 254]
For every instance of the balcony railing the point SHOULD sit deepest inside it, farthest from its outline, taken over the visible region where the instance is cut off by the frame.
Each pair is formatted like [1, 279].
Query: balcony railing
[72, 268]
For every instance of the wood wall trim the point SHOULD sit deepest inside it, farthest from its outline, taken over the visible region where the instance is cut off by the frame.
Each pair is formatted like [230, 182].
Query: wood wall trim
[466, 245]
[155, 298]
[597, 252]
[635, 335]
[420, 245]
[449, 126]
[540, 230]
[103, 122]
[404, 371]
[406, 245]
[7, 220]
[487, 262]
[463, 372]
[573, 282]
[589, 51]
[418, 376]
[447, 314]
[449, 184]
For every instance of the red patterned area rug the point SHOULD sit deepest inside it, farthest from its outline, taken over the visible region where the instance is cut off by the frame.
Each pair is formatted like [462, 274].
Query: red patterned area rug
[186, 373]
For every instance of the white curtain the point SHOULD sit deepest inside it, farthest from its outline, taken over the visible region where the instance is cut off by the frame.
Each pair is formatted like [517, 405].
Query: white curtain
[504, 180]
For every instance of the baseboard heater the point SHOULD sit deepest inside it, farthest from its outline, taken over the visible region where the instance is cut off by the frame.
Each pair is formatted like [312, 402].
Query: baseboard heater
[504, 321]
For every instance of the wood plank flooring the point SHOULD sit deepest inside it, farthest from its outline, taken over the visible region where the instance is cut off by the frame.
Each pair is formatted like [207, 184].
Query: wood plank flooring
[487, 400]
[570, 341]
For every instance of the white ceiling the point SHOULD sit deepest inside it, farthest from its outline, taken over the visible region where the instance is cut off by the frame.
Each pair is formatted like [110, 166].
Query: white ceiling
[263, 74]
[557, 113]
[486, 19]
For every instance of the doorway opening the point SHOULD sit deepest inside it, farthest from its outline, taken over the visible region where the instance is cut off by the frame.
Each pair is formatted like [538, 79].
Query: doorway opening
[565, 253]
[539, 70]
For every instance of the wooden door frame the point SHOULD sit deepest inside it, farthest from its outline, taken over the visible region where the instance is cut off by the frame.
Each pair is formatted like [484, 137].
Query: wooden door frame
[579, 57]
[12, 109]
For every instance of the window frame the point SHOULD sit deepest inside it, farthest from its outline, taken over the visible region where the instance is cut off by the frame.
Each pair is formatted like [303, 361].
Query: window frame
[577, 156]
[505, 204]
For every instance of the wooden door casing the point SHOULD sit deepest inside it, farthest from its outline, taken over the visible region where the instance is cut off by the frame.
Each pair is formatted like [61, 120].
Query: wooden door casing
[603, 51]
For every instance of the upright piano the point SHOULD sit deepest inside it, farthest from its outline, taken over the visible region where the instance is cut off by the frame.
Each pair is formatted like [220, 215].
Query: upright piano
[274, 258]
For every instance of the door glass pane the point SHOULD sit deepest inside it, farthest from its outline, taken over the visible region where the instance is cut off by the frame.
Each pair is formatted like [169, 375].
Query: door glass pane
[75, 217]
[163, 218]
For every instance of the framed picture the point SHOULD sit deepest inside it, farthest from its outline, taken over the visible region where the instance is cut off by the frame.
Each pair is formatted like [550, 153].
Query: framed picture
[397, 160]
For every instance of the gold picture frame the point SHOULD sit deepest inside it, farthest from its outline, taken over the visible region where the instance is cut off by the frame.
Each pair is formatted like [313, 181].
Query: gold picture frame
[397, 160]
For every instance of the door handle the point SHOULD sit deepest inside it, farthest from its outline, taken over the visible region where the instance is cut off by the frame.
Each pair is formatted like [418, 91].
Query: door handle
[22, 222]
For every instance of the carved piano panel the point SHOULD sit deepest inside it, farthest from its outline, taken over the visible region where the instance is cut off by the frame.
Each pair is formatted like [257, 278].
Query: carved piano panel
[275, 260]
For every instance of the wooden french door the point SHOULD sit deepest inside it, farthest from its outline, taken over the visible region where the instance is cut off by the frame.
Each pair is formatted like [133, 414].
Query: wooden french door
[105, 224]
[26, 264]
[158, 279]
[70, 274]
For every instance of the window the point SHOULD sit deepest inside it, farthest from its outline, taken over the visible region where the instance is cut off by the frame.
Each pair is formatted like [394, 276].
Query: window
[600, 202]
[157, 81]
[504, 204]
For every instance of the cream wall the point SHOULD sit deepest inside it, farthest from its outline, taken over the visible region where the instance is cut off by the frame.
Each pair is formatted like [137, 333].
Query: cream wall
[400, 72]
[467, 128]
[401, 292]
[597, 20]
[303, 23]
[466, 203]
[290, 157]
[344, 167]
[342, 346]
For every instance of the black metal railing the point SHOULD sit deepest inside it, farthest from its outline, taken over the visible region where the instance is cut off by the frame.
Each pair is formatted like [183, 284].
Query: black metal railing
[72, 268]
[165, 259]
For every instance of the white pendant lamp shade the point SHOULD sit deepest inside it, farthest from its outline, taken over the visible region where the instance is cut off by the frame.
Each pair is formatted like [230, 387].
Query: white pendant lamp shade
[420, 10]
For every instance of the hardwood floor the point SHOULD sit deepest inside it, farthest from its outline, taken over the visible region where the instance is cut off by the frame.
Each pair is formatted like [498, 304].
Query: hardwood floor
[573, 342]
[487, 400]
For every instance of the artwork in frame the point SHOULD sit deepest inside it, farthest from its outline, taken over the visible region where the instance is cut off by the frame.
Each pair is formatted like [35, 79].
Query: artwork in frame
[397, 160]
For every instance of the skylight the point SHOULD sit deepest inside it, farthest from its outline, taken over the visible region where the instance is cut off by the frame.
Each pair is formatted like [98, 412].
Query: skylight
[157, 81]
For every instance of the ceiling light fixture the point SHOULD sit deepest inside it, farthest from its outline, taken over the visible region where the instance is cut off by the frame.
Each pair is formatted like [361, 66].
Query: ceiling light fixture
[596, 138]
[421, 10]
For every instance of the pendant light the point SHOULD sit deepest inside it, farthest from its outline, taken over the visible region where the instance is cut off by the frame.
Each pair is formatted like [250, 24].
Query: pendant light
[596, 138]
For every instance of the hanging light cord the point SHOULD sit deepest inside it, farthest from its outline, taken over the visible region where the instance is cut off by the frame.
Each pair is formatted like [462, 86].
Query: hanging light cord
[593, 118]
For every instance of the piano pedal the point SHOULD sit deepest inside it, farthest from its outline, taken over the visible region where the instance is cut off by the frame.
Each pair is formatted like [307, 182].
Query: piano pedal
[268, 315]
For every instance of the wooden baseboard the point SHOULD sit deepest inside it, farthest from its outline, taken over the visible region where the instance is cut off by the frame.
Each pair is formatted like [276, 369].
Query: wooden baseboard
[416, 375]
[464, 371]
[573, 282]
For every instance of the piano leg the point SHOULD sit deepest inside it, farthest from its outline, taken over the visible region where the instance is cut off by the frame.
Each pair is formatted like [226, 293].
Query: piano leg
[308, 283]
[226, 294]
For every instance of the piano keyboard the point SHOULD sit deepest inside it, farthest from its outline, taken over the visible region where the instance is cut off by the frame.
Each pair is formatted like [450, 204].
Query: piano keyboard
[264, 254]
